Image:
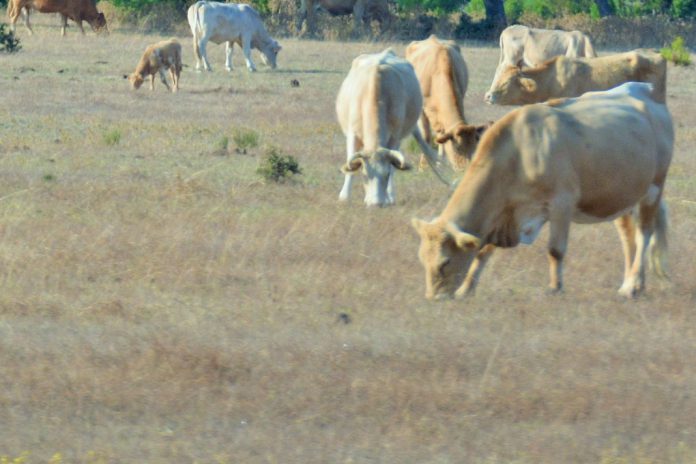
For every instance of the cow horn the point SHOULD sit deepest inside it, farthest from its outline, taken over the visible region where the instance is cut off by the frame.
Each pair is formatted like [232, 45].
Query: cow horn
[354, 163]
[396, 159]
[443, 137]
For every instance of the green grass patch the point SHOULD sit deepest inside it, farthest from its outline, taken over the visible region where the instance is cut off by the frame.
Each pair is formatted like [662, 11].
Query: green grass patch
[677, 53]
[112, 137]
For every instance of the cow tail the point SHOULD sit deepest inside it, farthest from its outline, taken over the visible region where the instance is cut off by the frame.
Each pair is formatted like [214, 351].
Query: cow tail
[197, 27]
[589, 49]
[658, 243]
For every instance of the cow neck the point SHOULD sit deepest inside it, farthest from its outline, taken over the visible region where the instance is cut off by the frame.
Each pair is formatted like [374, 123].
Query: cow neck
[453, 113]
[468, 207]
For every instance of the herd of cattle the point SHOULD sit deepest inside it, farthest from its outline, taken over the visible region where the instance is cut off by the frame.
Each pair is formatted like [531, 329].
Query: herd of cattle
[555, 159]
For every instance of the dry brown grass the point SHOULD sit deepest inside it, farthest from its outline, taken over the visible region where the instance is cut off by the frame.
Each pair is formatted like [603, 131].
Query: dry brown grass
[160, 303]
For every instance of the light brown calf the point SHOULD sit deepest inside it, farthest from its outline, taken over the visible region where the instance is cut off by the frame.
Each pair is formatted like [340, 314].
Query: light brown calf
[156, 59]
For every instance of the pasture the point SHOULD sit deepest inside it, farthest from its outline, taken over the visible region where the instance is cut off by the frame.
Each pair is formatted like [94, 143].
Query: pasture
[162, 303]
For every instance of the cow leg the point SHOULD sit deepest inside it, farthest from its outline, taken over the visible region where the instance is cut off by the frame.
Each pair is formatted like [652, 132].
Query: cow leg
[246, 48]
[634, 283]
[560, 215]
[626, 228]
[196, 52]
[424, 127]
[163, 78]
[228, 55]
[352, 143]
[152, 82]
[174, 73]
[63, 25]
[25, 17]
[82, 29]
[359, 19]
[203, 55]
[468, 287]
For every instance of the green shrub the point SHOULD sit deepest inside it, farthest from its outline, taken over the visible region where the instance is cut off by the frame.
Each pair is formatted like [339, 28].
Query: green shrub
[276, 167]
[677, 53]
[8, 42]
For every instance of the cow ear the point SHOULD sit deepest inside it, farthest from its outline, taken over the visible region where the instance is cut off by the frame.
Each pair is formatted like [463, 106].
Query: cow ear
[482, 128]
[397, 160]
[419, 225]
[443, 137]
[528, 84]
[354, 165]
[464, 240]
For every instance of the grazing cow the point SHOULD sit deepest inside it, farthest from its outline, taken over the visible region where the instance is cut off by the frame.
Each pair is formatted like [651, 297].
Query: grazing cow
[362, 10]
[527, 47]
[77, 10]
[378, 104]
[571, 77]
[557, 163]
[443, 78]
[156, 59]
[230, 23]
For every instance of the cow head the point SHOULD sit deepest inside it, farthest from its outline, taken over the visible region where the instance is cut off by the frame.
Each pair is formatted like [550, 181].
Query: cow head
[446, 253]
[135, 79]
[513, 87]
[460, 142]
[98, 24]
[378, 168]
[269, 53]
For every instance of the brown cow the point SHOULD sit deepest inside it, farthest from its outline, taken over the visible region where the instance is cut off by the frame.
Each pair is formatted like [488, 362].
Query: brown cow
[77, 10]
[362, 11]
[571, 77]
[443, 78]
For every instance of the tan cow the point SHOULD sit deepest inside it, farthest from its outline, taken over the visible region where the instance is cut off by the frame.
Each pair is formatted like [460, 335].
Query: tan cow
[156, 59]
[528, 47]
[443, 78]
[378, 104]
[571, 77]
[77, 10]
[557, 163]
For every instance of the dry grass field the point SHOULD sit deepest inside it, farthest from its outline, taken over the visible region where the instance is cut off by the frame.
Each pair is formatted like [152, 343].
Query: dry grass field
[160, 302]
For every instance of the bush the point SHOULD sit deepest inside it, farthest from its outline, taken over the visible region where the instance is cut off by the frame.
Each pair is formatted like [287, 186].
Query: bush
[677, 53]
[8, 42]
[276, 167]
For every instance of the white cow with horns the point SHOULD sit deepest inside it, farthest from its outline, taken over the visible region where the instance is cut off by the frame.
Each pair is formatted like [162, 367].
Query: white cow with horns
[230, 23]
[379, 104]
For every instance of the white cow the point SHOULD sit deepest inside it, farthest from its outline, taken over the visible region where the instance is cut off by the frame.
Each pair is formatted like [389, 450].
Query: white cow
[379, 104]
[230, 23]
